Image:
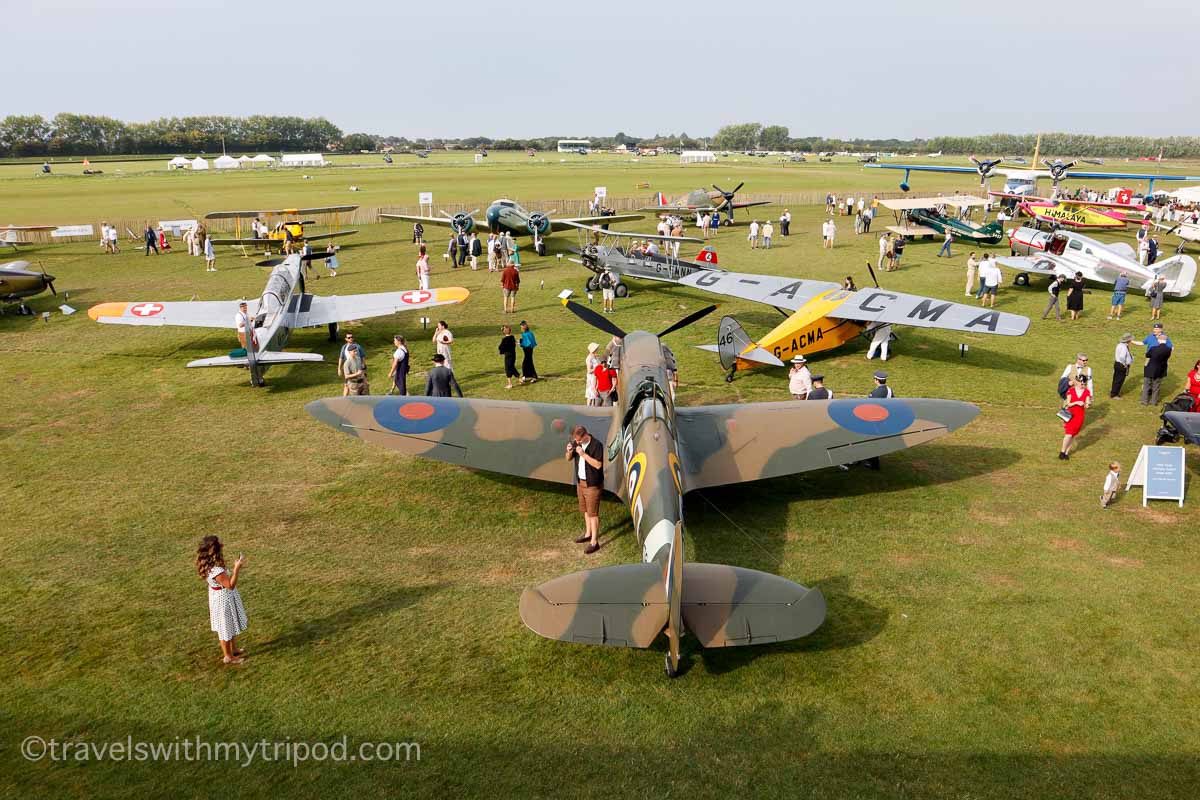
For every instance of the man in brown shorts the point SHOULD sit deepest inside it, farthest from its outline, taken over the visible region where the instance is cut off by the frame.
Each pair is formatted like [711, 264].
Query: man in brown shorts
[587, 454]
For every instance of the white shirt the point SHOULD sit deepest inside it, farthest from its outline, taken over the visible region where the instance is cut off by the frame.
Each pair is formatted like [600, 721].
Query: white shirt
[112, 233]
[753, 229]
[579, 448]
[800, 381]
[883, 244]
[400, 353]
[1112, 481]
[240, 321]
[861, 204]
[1122, 354]
[767, 230]
[832, 229]
[1074, 368]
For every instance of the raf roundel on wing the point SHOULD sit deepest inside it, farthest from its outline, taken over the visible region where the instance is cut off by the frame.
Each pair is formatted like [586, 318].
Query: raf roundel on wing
[415, 415]
[872, 417]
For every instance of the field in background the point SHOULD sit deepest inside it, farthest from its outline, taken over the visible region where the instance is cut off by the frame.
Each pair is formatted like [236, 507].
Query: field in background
[991, 631]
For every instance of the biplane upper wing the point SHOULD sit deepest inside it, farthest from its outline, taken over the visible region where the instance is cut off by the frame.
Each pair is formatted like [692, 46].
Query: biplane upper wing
[290, 212]
[563, 224]
[514, 438]
[881, 306]
[252, 242]
[771, 290]
[314, 310]
[725, 444]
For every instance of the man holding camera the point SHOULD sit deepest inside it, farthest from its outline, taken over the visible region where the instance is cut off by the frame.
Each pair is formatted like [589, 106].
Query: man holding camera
[587, 453]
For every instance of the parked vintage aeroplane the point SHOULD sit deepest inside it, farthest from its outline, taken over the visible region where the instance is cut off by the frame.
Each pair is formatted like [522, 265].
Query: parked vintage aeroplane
[1078, 214]
[10, 235]
[17, 282]
[824, 316]
[1065, 253]
[600, 250]
[1024, 181]
[284, 231]
[1188, 230]
[283, 307]
[508, 216]
[702, 201]
[654, 453]
[928, 216]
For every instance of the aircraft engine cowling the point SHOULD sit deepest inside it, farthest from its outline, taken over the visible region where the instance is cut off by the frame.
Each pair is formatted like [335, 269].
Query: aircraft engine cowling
[539, 224]
[463, 222]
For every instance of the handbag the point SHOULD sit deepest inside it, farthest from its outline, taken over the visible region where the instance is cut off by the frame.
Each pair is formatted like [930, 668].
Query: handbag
[1063, 414]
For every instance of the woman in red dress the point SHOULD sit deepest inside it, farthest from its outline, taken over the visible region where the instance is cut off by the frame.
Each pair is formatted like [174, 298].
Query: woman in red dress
[1078, 396]
[1194, 386]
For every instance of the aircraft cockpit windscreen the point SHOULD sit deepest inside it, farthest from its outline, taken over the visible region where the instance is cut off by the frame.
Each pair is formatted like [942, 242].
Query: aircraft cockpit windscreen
[1056, 245]
[274, 296]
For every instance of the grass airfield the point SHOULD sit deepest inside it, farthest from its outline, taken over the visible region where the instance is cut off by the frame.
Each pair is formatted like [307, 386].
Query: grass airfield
[991, 631]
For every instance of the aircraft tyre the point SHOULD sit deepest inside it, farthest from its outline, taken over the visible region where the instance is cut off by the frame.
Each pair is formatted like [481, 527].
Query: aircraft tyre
[333, 331]
[1022, 279]
[593, 284]
[670, 670]
[621, 291]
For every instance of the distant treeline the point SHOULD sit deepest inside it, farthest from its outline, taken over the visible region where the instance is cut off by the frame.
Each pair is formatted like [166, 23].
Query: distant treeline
[80, 134]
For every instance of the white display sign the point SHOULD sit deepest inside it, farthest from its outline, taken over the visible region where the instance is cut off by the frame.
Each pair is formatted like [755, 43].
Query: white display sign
[176, 226]
[72, 230]
[425, 198]
[601, 192]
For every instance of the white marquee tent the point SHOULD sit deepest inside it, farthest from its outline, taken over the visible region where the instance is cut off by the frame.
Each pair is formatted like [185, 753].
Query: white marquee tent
[178, 162]
[263, 158]
[304, 160]
[697, 157]
[226, 162]
[1188, 194]
[244, 159]
[199, 163]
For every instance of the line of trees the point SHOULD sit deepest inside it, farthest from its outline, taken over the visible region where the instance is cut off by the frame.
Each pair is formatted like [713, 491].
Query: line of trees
[81, 134]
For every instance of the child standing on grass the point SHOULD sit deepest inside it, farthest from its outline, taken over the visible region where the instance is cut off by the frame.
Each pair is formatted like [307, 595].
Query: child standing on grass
[226, 614]
[210, 256]
[1112, 482]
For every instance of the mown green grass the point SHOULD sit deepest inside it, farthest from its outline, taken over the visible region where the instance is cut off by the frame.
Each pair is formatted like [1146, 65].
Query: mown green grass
[991, 632]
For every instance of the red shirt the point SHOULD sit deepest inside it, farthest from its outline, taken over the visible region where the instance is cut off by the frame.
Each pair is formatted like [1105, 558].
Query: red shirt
[604, 377]
[510, 278]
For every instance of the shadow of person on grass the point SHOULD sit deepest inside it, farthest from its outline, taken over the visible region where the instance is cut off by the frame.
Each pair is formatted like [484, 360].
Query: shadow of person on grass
[304, 633]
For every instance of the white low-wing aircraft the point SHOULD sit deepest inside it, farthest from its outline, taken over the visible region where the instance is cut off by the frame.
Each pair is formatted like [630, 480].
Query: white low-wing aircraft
[284, 306]
[1066, 252]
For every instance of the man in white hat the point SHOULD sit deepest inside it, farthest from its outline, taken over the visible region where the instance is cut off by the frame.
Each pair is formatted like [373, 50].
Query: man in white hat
[799, 379]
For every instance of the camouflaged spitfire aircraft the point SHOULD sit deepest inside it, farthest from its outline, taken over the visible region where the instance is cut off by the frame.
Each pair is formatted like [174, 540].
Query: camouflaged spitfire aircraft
[284, 306]
[17, 281]
[702, 201]
[822, 315]
[655, 453]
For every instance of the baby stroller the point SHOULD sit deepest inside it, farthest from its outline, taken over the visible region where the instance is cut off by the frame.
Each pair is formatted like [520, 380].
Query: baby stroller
[1178, 422]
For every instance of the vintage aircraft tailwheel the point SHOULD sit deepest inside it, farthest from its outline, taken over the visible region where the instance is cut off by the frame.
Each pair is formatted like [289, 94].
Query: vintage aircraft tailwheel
[1022, 279]
[622, 290]
[671, 671]
[333, 330]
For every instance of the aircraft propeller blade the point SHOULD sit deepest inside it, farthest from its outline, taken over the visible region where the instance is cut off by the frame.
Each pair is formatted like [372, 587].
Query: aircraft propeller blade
[49, 279]
[593, 319]
[738, 188]
[871, 270]
[688, 320]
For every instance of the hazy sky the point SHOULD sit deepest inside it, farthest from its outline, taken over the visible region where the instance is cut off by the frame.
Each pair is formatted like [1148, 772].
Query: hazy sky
[843, 68]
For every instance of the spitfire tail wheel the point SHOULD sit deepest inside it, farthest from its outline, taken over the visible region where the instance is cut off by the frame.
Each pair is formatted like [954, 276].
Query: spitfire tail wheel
[1022, 279]
[621, 291]
[333, 331]
[670, 669]
[729, 376]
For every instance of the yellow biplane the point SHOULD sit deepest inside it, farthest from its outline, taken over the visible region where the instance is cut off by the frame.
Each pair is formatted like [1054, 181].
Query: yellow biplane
[284, 234]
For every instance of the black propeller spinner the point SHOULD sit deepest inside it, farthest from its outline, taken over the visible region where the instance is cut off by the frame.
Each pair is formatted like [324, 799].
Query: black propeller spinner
[984, 168]
[610, 327]
[726, 205]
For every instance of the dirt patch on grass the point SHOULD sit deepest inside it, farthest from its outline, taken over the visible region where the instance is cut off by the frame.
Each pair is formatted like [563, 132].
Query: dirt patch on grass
[497, 576]
[1160, 517]
[1002, 580]
[990, 517]
[1066, 544]
[1118, 561]
[547, 555]
[904, 560]
[420, 551]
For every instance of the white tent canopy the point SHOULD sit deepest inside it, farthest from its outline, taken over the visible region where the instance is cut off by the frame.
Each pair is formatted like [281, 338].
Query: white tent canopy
[243, 159]
[304, 160]
[178, 162]
[1188, 194]
[199, 163]
[263, 158]
[226, 162]
[697, 157]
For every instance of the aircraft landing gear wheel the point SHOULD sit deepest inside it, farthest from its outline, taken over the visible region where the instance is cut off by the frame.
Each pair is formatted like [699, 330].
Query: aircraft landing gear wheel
[729, 375]
[333, 331]
[1022, 279]
[593, 284]
[540, 248]
[670, 670]
[621, 291]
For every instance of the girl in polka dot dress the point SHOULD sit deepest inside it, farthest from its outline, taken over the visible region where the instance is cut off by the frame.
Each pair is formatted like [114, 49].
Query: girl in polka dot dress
[225, 610]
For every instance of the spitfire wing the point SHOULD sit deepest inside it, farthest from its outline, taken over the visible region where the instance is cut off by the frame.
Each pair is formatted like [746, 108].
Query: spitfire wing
[771, 290]
[324, 310]
[563, 224]
[523, 439]
[727, 444]
[679, 209]
[1038, 266]
[753, 203]
[195, 313]
[881, 306]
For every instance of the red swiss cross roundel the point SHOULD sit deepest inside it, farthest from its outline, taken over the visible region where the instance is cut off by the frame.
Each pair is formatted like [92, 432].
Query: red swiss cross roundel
[146, 309]
[416, 296]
